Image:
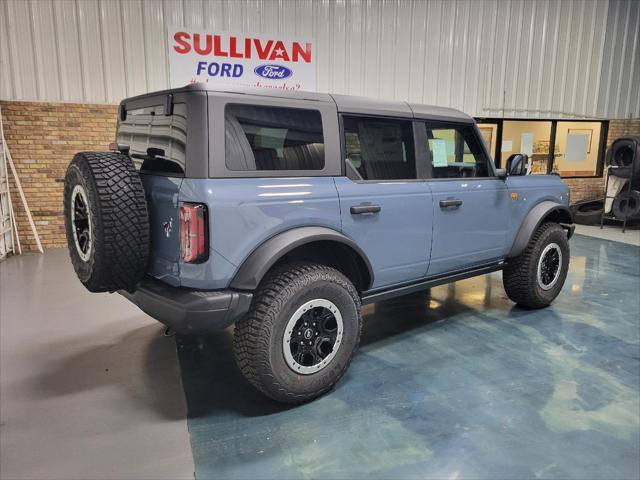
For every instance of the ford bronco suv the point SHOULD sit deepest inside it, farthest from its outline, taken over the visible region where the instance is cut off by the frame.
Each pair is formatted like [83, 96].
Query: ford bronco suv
[283, 212]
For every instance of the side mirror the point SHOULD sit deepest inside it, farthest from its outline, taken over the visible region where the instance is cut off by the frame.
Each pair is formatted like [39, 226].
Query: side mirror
[501, 173]
[517, 164]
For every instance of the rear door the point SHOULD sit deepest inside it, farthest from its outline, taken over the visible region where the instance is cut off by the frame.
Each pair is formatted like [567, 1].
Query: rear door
[384, 207]
[470, 204]
[158, 149]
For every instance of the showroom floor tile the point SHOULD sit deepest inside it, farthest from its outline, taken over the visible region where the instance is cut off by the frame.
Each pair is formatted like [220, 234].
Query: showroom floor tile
[451, 383]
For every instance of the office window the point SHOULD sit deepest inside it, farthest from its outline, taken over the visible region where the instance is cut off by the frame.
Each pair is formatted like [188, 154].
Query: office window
[529, 137]
[577, 149]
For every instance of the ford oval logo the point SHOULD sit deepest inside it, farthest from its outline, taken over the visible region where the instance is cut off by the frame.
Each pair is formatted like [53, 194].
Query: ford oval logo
[273, 72]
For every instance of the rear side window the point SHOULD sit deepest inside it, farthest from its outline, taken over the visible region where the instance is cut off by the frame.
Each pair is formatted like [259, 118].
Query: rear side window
[157, 141]
[456, 152]
[273, 138]
[380, 148]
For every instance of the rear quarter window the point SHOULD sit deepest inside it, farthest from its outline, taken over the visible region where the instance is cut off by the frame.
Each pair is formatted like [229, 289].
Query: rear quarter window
[157, 142]
[259, 138]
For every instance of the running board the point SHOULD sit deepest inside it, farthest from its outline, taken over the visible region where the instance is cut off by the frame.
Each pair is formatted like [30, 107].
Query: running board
[378, 296]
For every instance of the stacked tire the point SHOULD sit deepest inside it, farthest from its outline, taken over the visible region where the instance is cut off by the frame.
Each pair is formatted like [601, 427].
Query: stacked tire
[623, 159]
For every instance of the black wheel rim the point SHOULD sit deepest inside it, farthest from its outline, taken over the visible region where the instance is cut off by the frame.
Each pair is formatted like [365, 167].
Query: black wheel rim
[81, 222]
[312, 336]
[549, 266]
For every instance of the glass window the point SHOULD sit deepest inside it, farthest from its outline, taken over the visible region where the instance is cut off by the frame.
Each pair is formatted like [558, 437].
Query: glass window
[379, 148]
[456, 152]
[529, 137]
[577, 149]
[489, 132]
[157, 141]
[273, 138]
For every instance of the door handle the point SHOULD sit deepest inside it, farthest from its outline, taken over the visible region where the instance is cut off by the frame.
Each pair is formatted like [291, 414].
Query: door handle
[453, 202]
[364, 208]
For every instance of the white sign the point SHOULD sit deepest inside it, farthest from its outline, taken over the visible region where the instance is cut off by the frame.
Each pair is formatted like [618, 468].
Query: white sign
[577, 145]
[439, 150]
[526, 143]
[224, 58]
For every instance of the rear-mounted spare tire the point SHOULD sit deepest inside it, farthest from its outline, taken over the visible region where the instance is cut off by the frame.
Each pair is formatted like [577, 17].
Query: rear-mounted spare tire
[106, 221]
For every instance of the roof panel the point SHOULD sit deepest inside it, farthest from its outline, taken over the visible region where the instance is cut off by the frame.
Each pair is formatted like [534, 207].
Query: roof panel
[371, 106]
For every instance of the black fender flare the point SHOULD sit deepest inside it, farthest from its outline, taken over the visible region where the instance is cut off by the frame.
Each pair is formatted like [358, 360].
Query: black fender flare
[533, 220]
[258, 263]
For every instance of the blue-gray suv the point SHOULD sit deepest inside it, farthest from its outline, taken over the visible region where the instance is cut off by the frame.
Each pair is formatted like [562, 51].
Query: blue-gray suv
[284, 212]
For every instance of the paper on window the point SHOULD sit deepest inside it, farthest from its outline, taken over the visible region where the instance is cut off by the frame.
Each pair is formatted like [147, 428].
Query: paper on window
[577, 145]
[439, 151]
[451, 147]
[507, 146]
[526, 143]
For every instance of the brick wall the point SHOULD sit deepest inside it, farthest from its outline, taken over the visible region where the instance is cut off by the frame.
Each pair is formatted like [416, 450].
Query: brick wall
[42, 138]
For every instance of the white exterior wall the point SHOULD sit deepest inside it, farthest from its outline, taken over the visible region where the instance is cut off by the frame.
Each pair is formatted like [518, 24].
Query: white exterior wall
[544, 58]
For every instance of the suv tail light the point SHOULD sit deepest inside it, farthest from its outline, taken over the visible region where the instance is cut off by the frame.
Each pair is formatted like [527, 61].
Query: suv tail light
[194, 247]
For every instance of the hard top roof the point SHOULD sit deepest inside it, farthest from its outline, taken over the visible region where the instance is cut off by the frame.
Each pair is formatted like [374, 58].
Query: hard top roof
[345, 103]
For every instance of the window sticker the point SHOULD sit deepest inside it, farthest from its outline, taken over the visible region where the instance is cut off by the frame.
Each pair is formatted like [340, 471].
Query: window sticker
[439, 150]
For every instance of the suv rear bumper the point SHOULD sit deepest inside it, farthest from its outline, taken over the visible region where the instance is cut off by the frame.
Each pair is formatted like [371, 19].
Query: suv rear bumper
[187, 310]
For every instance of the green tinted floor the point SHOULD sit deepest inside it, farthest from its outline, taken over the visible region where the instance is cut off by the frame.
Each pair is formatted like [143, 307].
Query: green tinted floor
[451, 383]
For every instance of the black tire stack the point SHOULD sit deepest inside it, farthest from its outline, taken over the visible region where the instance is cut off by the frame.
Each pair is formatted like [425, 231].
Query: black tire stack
[623, 160]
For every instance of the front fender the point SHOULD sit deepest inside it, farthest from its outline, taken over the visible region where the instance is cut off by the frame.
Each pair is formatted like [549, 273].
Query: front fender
[266, 255]
[534, 219]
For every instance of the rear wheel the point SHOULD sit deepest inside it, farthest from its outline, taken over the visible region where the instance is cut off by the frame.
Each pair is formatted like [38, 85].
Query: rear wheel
[303, 328]
[534, 278]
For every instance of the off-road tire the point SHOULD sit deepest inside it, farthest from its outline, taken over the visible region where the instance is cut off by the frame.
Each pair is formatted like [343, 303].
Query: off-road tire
[588, 212]
[520, 274]
[259, 335]
[119, 219]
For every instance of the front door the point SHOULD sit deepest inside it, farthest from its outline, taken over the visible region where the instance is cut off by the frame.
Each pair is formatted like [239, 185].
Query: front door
[384, 208]
[470, 205]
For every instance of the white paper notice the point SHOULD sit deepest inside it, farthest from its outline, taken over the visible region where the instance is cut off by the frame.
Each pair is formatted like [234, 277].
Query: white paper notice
[507, 146]
[526, 143]
[577, 144]
[439, 149]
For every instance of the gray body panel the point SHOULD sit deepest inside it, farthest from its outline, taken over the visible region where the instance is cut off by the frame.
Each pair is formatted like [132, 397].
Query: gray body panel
[256, 217]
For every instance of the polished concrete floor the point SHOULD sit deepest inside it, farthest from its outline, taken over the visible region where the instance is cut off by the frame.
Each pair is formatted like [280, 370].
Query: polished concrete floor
[612, 231]
[89, 387]
[451, 383]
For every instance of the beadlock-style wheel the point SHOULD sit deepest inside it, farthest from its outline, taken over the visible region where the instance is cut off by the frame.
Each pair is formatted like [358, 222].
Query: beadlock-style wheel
[303, 327]
[81, 220]
[312, 336]
[549, 266]
[534, 278]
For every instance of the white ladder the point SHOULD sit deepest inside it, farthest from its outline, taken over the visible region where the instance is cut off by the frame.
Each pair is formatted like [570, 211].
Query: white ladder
[9, 238]
[8, 241]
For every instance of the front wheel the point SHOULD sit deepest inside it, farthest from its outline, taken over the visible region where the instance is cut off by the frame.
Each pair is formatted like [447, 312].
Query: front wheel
[301, 332]
[535, 277]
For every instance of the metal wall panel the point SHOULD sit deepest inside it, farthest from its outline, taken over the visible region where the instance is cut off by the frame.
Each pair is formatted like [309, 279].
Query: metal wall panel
[520, 58]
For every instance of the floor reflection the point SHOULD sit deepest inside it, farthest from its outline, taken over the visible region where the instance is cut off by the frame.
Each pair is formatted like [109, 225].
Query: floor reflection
[455, 382]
